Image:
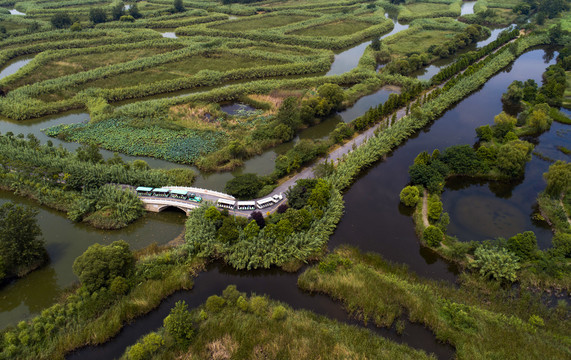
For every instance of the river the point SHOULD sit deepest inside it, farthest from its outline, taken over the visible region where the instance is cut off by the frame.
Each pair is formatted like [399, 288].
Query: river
[373, 221]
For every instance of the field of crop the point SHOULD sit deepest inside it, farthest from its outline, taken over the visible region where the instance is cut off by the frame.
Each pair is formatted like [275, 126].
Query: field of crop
[257, 48]
[338, 28]
[261, 22]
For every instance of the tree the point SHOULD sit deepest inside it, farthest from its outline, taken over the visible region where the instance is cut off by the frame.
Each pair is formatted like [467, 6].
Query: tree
[283, 132]
[332, 93]
[244, 186]
[134, 11]
[97, 15]
[252, 229]
[89, 153]
[434, 209]
[118, 10]
[558, 178]
[21, 247]
[523, 245]
[99, 265]
[512, 157]
[503, 123]
[146, 348]
[178, 6]
[289, 113]
[178, 324]
[514, 94]
[500, 265]
[61, 20]
[258, 217]
[140, 165]
[376, 44]
[409, 196]
[432, 235]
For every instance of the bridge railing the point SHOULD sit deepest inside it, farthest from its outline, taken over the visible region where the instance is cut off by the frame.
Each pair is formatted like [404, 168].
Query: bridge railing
[204, 191]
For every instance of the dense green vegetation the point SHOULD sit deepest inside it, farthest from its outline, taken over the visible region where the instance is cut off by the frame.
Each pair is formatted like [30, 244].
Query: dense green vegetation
[479, 320]
[22, 249]
[80, 183]
[116, 287]
[91, 55]
[237, 326]
[286, 238]
[498, 156]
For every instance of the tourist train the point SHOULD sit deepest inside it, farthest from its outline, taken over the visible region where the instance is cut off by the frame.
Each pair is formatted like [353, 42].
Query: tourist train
[249, 205]
[221, 203]
[167, 193]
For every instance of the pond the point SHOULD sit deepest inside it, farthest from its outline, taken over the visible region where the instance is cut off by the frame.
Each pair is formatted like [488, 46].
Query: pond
[169, 35]
[481, 210]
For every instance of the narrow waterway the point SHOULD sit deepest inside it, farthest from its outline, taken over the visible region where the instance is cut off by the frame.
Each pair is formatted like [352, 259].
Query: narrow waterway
[349, 59]
[278, 285]
[14, 65]
[373, 221]
[467, 8]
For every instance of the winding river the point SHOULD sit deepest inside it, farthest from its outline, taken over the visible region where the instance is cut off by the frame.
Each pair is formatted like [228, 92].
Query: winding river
[373, 221]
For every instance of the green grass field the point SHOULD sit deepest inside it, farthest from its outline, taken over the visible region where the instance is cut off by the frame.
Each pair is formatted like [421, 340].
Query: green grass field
[426, 8]
[262, 22]
[187, 67]
[75, 64]
[338, 28]
[418, 41]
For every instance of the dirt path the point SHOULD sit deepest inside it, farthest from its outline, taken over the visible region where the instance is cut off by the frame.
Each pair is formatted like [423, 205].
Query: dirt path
[425, 209]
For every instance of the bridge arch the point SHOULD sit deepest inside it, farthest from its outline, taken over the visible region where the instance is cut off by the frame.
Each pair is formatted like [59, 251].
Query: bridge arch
[170, 206]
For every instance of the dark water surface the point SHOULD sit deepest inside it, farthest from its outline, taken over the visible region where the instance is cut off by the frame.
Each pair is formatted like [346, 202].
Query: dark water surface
[375, 221]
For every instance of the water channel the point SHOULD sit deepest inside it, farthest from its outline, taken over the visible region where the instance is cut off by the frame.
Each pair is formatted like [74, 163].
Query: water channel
[349, 59]
[373, 221]
[373, 199]
[16, 12]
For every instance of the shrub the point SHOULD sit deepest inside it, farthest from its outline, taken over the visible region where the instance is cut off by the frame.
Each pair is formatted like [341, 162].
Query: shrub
[279, 313]
[100, 264]
[500, 265]
[409, 196]
[178, 324]
[523, 245]
[562, 244]
[119, 286]
[259, 305]
[243, 304]
[145, 349]
[434, 209]
[215, 304]
[432, 235]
